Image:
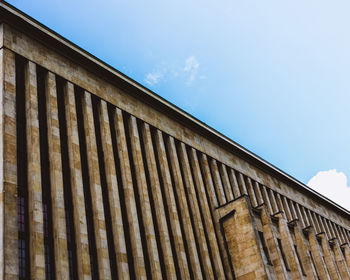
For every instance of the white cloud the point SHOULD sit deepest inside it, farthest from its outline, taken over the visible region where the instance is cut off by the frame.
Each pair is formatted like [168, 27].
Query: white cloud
[153, 78]
[333, 185]
[191, 67]
[165, 71]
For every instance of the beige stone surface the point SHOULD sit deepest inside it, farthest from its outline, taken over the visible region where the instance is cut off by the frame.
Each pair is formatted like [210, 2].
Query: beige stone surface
[113, 193]
[76, 180]
[56, 180]
[37, 254]
[8, 172]
[104, 270]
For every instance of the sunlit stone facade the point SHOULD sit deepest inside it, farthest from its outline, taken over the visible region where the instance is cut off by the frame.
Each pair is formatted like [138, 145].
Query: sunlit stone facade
[103, 179]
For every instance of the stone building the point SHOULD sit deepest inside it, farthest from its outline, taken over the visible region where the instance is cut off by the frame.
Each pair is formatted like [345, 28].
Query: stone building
[103, 179]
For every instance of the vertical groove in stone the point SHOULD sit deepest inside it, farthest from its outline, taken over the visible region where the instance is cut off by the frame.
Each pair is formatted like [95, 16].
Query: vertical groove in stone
[56, 180]
[266, 199]
[158, 203]
[183, 204]
[145, 206]
[200, 234]
[104, 187]
[172, 207]
[76, 181]
[234, 183]
[226, 182]
[251, 192]
[67, 186]
[113, 193]
[305, 217]
[299, 215]
[209, 182]
[37, 257]
[258, 193]
[217, 181]
[274, 205]
[287, 209]
[241, 183]
[293, 212]
[205, 171]
[8, 175]
[129, 197]
[203, 202]
[95, 189]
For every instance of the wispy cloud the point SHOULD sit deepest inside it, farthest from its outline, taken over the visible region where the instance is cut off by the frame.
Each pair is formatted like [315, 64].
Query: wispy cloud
[191, 68]
[333, 185]
[153, 78]
[187, 70]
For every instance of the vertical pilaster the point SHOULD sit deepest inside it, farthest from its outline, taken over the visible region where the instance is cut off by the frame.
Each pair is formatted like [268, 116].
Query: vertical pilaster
[303, 251]
[134, 230]
[172, 209]
[217, 181]
[272, 245]
[203, 201]
[328, 256]
[56, 177]
[158, 203]
[37, 254]
[213, 205]
[186, 220]
[317, 254]
[340, 261]
[144, 199]
[226, 182]
[193, 202]
[288, 247]
[113, 193]
[8, 165]
[96, 191]
[76, 181]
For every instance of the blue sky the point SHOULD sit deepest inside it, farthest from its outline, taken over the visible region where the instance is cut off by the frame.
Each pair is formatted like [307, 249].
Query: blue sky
[271, 75]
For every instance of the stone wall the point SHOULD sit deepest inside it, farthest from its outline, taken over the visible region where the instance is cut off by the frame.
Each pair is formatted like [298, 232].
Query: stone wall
[115, 188]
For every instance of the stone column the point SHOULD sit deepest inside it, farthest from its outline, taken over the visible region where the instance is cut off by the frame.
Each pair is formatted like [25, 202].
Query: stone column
[56, 180]
[104, 270]
[328, 256]
[216, 217]
[303, 250]
[145, 203]
[37, 252]
[288, 246]
[183, 204]
[134, 230]
[171, 205]
[158, 203]
[217, 182]
[193, 203]
[113, 193]
[272, 245]
[8, 172]
[76, 181]
[208, 221]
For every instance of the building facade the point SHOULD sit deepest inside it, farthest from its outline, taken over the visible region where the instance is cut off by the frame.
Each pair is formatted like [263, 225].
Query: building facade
[103, 179]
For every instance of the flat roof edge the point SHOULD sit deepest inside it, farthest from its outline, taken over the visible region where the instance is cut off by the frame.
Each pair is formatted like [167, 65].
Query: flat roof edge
[48, 37]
